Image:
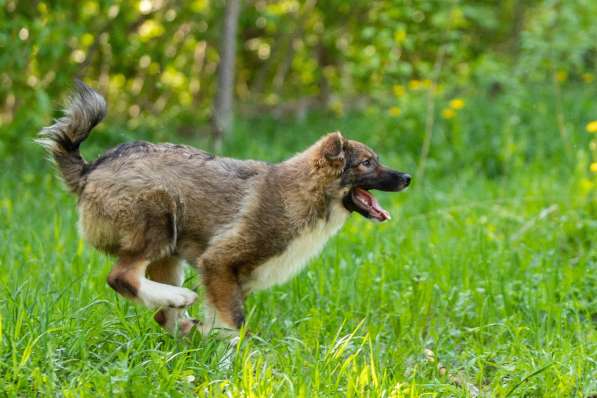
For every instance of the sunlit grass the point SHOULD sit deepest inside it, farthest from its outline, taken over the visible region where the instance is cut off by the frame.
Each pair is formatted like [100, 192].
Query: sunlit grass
[480, 285]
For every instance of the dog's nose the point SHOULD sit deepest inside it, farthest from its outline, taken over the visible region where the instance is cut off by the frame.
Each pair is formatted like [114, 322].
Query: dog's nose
[406, 178]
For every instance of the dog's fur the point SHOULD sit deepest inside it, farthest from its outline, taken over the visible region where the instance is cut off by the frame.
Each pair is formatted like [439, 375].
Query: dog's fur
[244, 224]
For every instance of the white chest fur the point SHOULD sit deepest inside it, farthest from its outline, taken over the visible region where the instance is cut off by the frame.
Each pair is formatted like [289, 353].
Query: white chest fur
[308, 244]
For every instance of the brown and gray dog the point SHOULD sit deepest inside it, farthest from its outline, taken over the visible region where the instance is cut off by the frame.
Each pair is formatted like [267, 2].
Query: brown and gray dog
[245, 225]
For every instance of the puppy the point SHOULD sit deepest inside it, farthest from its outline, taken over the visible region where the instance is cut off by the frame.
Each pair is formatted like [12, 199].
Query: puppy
[245, 225]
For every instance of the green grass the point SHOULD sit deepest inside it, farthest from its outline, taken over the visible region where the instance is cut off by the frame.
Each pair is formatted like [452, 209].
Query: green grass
[484, 283]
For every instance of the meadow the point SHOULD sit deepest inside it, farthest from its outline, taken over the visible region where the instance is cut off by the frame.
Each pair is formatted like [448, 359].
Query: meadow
[484, 283]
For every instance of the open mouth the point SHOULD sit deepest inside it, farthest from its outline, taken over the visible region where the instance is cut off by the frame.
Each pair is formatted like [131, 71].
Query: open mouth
[368, 205]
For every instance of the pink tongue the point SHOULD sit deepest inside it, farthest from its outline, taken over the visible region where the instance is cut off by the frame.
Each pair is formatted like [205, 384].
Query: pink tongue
[376, 211]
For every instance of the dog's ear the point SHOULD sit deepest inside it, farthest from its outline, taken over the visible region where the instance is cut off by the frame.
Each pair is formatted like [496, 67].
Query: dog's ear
[331, 152]
[332, 147]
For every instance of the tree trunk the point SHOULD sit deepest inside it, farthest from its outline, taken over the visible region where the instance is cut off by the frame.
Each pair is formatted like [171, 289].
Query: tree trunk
[517, 27]
[323, 60]
[223, 108]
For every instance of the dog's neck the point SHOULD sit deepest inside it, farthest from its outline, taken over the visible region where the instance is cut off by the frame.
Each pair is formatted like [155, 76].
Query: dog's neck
[310, 188]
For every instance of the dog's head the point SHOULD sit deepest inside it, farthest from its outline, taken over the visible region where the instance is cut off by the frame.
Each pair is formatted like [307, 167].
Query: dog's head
[357, 170]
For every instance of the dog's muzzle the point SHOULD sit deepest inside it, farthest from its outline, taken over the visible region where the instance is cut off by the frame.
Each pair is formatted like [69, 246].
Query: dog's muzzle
[359, 198]
[387, 180]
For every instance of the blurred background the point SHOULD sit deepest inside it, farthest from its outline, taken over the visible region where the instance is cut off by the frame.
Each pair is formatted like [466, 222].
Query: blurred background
[483, 283]
[490, 83]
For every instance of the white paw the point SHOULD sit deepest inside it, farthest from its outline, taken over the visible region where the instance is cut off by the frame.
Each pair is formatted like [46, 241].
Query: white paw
[159, 295]
[181, 297]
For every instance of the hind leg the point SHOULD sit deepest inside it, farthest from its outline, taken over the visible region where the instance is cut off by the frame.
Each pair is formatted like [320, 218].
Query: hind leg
[144, 230]
[170, 271]
[128, 279]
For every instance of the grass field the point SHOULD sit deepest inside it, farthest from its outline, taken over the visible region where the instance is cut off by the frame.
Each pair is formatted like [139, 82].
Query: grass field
[483, 284]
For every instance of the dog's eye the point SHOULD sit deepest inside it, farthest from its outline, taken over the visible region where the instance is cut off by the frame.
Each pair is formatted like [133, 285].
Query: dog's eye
[366, 162]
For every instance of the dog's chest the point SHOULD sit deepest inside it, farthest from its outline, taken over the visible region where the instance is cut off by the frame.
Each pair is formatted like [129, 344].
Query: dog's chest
[308, 244]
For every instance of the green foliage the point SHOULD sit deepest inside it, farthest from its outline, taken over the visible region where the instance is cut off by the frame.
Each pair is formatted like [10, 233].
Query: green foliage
[156, 60]
[560, 39]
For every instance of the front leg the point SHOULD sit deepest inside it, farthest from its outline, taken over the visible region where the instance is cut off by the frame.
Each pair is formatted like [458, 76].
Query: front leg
[224, 297]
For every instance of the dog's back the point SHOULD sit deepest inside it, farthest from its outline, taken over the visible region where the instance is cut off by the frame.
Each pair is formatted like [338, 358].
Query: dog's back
[143, 197]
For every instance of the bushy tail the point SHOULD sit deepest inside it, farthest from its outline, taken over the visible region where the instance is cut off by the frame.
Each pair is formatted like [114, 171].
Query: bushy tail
[85, 109]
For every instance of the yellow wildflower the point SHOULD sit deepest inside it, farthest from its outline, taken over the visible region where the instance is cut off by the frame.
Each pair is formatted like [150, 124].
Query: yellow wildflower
[561, 75]
[586, 185]
[457, 103]
[587, 77]
[592, 126]
[394, 111]
[414, 84]
[87, 39]
[42, 8]
[400, 36]
[593, 167]
[399, 90]
[448, 113]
